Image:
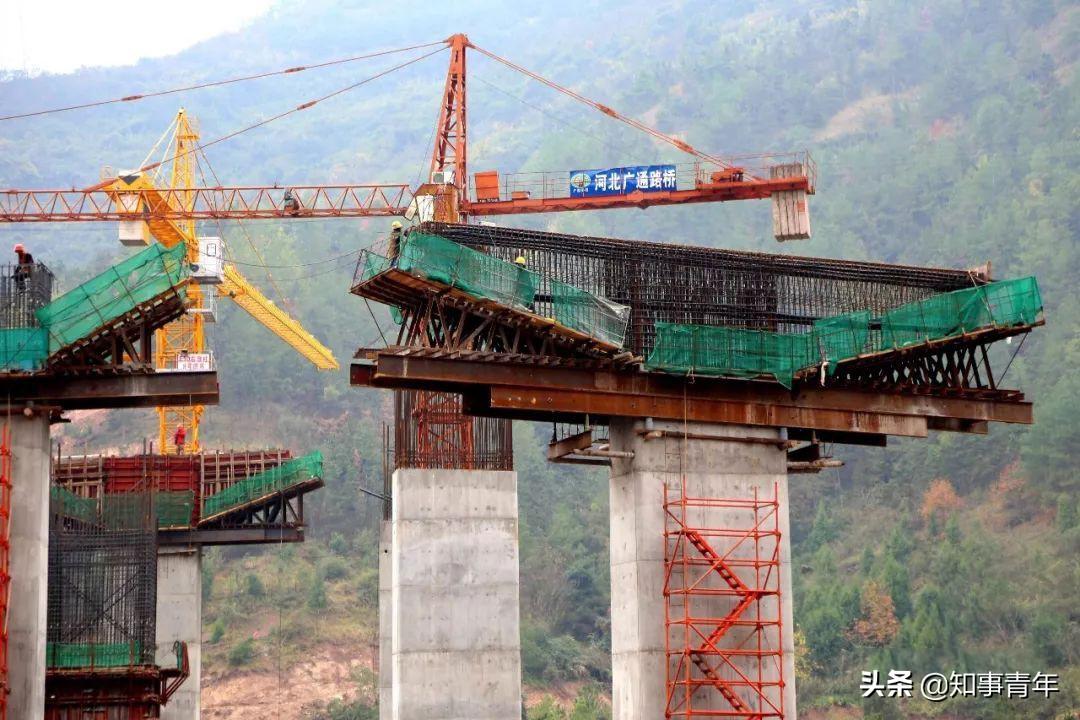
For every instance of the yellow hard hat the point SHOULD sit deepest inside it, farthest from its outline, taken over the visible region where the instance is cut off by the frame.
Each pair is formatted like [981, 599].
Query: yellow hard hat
[520, 260]
[396, 224]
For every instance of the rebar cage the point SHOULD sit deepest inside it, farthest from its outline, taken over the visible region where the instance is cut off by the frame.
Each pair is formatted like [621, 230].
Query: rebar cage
[664, 282]
[24, 289]
[431, 431]
[102, 596]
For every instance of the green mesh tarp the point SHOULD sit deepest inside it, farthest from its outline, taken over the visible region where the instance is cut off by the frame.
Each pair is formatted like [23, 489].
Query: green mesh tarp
[593, 315]
[840, 337]
[89, 655]
[709, 350]
[23, 348]
[1004, 303]
[371, 265]
[65, 503]
[173, 509]
[471, 271]
[140, 278]
[289, 473]
[125, 511]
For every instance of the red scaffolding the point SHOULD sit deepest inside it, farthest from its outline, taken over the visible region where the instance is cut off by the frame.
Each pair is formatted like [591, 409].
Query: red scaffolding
[724, 636]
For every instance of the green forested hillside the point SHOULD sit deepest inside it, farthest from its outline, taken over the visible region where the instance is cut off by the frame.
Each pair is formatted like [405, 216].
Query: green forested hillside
[946, 132]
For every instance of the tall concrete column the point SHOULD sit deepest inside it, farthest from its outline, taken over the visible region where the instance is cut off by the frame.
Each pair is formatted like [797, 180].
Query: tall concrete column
[179, 617]
[712, 468]
[454, 607]
[386, 649]
[29, 565]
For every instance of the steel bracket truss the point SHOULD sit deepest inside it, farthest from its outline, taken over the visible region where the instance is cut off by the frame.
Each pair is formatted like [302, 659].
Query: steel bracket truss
[125, 342]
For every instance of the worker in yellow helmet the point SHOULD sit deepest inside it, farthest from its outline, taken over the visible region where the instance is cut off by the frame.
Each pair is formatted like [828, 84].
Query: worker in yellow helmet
[523, 288]
[395, 240]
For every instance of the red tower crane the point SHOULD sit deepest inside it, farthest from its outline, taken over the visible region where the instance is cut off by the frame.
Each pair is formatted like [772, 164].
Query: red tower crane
[786, 178]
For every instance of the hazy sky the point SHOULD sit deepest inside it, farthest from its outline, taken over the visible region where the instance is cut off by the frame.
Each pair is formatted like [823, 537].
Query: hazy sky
[63, 35]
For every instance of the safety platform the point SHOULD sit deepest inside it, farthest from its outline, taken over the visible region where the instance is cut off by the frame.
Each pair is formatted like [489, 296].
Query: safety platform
[700, 312]
[212, 497]
[432, 277]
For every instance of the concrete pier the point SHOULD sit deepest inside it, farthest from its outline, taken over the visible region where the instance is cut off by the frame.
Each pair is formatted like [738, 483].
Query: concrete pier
[386, 648]
[455, 621]
[728, 467]
[29, 565]
[179, 617]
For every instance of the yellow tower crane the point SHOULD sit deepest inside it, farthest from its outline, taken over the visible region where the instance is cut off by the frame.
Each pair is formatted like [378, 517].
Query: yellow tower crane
[186, 335]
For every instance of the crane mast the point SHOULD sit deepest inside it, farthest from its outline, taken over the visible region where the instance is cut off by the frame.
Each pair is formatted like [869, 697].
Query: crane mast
[187, 333]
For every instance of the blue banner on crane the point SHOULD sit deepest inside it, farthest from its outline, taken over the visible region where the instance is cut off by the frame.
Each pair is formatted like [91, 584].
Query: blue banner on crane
[622, 180]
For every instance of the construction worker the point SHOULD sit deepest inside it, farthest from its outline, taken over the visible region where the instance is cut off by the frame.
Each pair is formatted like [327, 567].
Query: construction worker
[523, 289]
[179, 437]
[395, 241]
[24, 267]
[291, 204]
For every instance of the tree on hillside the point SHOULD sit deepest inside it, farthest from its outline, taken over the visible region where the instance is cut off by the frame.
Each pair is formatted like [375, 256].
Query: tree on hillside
[939, 501]
[877, 626]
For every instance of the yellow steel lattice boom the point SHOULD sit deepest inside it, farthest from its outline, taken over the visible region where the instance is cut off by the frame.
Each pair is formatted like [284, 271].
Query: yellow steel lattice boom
[260, 307]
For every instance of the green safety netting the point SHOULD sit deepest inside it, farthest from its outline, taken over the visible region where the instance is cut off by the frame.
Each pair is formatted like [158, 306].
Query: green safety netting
[474, 272]
[371, 265]
[593, 315]
[88, 655]
[483, 276]
[173, 509]
[67, 504]
[125, 511]
[289, 473]
[98, 301]
[116, 511]
[23, 348]
[710, 350]
[1004, 303]
[841, 336]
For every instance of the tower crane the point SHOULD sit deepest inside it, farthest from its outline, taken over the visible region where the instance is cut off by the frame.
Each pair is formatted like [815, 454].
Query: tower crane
[454, 195]
[170, 213]
[186, 335]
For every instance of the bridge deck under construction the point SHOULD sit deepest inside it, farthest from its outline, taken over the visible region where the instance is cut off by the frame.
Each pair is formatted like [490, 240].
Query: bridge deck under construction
[897, 378]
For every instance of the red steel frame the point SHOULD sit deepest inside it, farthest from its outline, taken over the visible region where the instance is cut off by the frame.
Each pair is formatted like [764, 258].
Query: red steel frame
[722, 612]
[5, 557]
[444, 434]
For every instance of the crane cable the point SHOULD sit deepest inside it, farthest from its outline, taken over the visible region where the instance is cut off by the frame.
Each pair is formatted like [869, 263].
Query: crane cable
[269, 275]
[680, 144]
[217, 83]
[267, 121]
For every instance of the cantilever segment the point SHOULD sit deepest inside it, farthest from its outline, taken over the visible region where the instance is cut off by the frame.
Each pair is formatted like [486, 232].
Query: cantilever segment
[236, 287]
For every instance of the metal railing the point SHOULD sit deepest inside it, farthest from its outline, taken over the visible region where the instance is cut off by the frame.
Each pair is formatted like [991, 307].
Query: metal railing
[556, 184]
